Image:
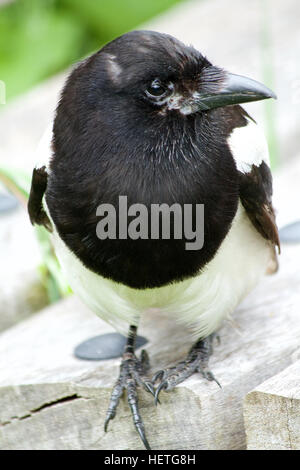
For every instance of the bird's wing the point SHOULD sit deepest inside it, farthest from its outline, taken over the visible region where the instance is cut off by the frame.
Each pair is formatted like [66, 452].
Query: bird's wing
[250, 151]
[36, 211]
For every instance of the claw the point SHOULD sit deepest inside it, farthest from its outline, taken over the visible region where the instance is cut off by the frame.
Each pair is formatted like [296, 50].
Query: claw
[162, 385]
[149, 388]
[215, 380]
[143, 437]
[107, 420]
[158, 376]
[208, 375]
[132, 399]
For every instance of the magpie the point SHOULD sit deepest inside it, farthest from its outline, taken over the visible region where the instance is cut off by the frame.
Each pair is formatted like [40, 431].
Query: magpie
[152, 119]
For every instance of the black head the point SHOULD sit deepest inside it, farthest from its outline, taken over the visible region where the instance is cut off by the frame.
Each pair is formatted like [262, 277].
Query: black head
[163, 74]
[157, 70]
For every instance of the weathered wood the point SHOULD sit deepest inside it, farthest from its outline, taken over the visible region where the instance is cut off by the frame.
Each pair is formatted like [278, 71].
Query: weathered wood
[272, 412]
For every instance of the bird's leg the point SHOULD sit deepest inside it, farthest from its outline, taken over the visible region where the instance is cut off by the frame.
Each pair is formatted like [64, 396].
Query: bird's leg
[196, 361]
[132, 374]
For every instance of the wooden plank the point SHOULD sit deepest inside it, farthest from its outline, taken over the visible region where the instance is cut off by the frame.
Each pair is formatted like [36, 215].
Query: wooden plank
[272, 412]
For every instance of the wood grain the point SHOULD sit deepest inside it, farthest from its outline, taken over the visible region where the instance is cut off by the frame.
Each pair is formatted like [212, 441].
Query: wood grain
[272, 412]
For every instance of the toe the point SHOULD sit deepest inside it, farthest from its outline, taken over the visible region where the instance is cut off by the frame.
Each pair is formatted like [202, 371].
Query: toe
[113, 404]
[158, 376]
[148, 386]
[208, 375]
[133, 403]
[162, 386]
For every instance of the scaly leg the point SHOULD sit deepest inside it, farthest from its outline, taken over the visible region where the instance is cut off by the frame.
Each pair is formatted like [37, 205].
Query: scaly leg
[196, 361]
[132, 374]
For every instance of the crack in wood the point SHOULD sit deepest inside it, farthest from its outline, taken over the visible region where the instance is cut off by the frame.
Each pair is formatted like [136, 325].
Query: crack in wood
[50, 404]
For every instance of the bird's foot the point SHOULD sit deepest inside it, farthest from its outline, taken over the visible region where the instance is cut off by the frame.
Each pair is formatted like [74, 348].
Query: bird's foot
[132, 374]
[196, 361]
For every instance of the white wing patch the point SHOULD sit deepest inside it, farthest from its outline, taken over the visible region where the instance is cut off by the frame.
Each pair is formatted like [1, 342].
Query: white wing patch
[248, 146]
[44, 150]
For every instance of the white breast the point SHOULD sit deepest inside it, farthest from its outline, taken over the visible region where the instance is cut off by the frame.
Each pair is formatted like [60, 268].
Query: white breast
[201, 302]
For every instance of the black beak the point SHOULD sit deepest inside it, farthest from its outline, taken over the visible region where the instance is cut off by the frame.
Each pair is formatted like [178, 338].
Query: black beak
[235, 90]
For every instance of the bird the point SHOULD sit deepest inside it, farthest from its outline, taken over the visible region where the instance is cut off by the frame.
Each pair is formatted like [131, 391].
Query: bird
[152, 120]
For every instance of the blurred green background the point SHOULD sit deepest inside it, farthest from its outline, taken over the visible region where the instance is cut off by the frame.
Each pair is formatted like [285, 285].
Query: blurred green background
[38, 38]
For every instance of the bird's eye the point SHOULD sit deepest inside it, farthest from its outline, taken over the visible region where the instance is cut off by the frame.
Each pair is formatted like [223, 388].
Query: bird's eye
[156, 89]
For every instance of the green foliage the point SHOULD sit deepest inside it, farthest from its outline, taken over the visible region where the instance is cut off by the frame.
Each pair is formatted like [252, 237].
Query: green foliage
[268, 79]
[38, 38]
[36, 41]
[50, 270]
[18, 182]
[110, 18]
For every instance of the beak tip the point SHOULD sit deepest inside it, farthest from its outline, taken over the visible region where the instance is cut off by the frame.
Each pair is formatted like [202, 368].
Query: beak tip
[236, 89]
[271, 94]
[240, 85]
